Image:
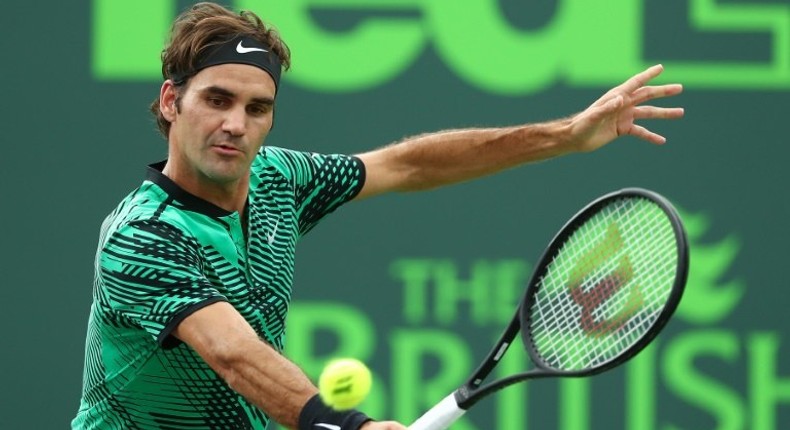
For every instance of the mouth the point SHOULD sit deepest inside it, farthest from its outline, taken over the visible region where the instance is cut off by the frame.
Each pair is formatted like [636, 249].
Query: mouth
[226, 149]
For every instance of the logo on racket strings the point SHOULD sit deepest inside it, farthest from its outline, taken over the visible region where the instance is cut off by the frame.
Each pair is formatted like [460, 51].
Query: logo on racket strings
[596, 296]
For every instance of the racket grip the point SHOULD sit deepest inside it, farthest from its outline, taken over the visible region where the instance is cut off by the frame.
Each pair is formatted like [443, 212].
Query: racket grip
[440, 416]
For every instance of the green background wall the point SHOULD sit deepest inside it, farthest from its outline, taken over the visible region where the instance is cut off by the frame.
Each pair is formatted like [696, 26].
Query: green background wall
[388, 279]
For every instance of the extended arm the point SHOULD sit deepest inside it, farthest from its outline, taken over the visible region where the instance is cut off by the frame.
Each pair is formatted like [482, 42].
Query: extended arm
[447, 157]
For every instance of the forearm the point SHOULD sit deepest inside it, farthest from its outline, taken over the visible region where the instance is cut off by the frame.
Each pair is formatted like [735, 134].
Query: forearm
[267, 379]
[447, 157]
[455, 156]
[249, 365]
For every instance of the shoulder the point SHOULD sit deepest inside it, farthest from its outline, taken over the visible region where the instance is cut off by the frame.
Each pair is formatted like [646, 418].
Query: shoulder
[146, 211]
[303, 164]
[286, 161]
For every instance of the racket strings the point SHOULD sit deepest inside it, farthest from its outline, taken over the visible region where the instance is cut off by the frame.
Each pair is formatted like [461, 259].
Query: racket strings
[612, 304]
[585, 351]
[606, 286]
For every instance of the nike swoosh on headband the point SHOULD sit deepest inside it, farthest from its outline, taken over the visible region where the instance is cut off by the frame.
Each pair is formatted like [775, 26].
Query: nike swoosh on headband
[244, 50]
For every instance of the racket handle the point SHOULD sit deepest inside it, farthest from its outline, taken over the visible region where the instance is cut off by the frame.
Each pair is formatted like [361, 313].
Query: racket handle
[440, 416]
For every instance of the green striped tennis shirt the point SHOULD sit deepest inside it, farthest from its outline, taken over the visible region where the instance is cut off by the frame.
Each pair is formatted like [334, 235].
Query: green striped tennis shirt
[163, 254]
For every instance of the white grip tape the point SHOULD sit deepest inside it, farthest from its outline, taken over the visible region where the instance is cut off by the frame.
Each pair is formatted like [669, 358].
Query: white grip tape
[440, 416]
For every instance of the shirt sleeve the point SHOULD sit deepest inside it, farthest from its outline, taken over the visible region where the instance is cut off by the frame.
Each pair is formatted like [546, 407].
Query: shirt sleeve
[151, 275]
[322, 182]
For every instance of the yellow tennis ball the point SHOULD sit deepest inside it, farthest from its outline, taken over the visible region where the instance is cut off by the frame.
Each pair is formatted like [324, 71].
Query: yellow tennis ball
[344, 383]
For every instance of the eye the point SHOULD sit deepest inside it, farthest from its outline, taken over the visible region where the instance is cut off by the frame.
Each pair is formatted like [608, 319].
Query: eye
[216, 102]
[258, 109]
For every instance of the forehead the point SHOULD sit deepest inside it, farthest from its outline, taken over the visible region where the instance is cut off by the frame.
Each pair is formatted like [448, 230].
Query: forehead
[243, 80]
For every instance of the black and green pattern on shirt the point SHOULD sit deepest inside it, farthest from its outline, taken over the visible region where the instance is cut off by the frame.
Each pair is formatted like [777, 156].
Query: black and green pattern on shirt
[163, 254]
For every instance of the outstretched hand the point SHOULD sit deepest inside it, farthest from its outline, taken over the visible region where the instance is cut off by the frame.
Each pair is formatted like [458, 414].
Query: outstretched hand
[613, 114]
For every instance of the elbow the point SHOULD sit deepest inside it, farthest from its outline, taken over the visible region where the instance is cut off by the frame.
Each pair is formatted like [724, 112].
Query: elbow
[226, 356]
[221, 355]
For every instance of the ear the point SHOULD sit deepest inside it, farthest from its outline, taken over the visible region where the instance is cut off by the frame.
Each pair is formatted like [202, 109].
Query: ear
[167, 100]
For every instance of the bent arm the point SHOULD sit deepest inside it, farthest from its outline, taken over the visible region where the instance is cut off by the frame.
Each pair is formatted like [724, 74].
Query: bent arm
[250, 366]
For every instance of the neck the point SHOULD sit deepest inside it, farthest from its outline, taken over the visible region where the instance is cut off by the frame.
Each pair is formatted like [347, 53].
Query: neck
[231, 196]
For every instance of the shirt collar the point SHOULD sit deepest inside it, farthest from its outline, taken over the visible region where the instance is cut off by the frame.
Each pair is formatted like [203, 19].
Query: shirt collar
[189, 201]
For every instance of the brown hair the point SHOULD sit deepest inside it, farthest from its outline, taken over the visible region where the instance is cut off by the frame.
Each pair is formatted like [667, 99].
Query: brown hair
[201, 26]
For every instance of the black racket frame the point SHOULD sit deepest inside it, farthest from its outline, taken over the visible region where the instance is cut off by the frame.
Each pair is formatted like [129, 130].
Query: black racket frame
[473, 390]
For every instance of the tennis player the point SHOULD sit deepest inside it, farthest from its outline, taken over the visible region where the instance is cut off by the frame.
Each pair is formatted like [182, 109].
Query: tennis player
[194, 268]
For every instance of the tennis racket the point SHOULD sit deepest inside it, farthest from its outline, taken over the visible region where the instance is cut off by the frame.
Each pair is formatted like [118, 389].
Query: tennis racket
[603, 289]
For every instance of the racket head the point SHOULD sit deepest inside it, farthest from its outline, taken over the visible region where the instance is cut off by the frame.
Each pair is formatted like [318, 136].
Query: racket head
[606, 285]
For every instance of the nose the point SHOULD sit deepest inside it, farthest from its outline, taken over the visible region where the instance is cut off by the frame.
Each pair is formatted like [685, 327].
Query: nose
[235, 122]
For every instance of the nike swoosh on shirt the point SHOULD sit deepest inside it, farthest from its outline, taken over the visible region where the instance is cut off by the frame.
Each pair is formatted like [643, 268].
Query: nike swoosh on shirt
[244, 50]
[270, 236]
[327, 426]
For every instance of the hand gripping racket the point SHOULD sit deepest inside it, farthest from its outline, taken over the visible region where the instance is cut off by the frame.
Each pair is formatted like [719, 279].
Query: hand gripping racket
[603, 289]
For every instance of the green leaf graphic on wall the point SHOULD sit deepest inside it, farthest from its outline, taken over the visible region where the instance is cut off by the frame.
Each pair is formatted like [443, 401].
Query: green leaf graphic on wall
[709, 297]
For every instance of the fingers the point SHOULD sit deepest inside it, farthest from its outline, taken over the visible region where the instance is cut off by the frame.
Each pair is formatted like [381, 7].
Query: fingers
[641, 79]
[653, 112]
[645, 134]
[639, 90]
[653, 92]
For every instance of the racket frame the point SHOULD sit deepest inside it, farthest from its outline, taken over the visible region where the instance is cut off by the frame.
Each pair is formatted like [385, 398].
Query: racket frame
[473, 390]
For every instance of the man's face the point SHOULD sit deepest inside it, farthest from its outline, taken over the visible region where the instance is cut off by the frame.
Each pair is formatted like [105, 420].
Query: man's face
[225, 114]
